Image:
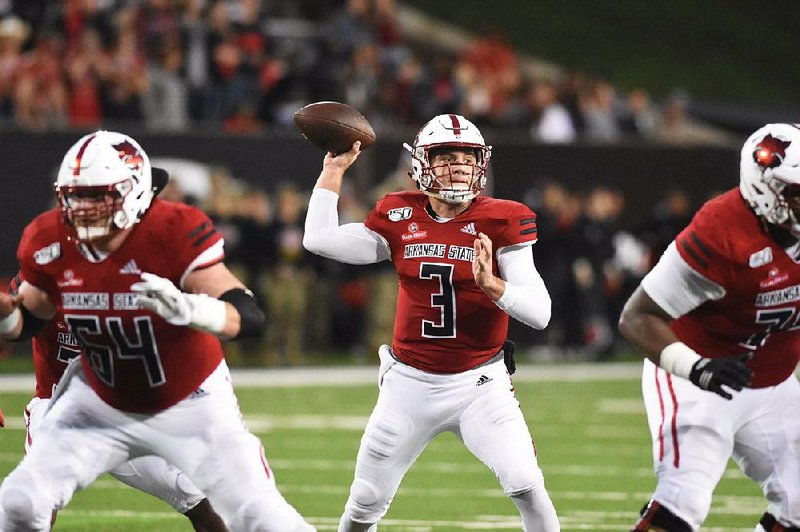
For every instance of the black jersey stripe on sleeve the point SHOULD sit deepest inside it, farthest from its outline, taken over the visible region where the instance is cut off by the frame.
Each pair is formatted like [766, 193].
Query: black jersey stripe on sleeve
[199, 229]
[689, 249]
[527, 221]
[701, 245]
[199, 242]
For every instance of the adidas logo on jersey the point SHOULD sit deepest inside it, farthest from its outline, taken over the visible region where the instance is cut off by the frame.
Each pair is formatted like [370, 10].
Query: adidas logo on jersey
[482, 380]
[469, 229]
[130, 268]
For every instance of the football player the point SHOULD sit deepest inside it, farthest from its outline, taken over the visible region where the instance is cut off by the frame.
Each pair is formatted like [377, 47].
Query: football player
[718, 318]
[464, 264]
[142, 286]
[53, 348]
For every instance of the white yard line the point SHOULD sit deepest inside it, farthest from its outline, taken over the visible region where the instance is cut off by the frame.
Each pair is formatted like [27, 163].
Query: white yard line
[344, 376]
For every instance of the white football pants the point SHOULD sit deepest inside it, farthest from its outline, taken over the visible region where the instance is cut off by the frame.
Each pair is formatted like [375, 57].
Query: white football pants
[413, 406]
[82, 437]
[695, 432]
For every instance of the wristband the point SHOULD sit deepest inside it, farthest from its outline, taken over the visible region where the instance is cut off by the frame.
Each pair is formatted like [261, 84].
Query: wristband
[10, 322]
[678, 358]
[208, 313]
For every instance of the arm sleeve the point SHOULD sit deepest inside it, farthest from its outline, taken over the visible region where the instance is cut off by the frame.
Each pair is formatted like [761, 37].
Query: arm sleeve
[676, 287]
[525, 298]
[350, 243]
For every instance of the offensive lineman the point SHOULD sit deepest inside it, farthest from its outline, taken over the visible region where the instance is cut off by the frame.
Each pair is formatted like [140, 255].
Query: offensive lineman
[54, 347]
[718, 320]
[444, 370]
[152, 378]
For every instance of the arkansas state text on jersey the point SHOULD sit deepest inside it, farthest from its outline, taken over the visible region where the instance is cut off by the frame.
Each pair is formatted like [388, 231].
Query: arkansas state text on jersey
[438, 298]
[134, 359]
[727, 243]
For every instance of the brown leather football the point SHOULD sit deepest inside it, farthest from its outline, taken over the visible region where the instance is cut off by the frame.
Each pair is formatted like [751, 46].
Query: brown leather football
[334, 126]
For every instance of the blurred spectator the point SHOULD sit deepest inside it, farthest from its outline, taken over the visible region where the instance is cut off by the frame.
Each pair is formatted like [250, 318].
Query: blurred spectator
[639, 117]
[13, 35]
[288, 277]
[678, 128]
[599, 112]
[87, 67]
[668, 218]
[557, 211]
[41, 95]
[127, 79]
[549, 119]
[598, 280]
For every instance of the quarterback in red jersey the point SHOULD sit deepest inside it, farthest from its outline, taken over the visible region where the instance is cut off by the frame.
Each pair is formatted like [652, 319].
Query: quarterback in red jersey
[718, 320]
[464, 264]
[142, 286]
[53, 348]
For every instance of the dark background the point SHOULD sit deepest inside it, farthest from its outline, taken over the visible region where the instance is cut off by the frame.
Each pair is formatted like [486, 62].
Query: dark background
[643, 173]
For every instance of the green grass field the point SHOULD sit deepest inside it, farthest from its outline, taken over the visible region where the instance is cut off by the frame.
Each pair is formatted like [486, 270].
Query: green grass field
[591, 436]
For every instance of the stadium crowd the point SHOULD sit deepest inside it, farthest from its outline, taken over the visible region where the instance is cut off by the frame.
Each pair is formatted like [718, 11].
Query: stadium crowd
[241, 66]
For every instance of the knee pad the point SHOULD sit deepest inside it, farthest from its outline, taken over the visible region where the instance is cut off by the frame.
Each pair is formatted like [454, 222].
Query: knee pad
[365, 504]
[25, 503]
[656, 518]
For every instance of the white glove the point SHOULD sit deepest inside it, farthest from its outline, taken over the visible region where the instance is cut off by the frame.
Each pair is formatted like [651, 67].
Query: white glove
[159, 295]
[200, 311]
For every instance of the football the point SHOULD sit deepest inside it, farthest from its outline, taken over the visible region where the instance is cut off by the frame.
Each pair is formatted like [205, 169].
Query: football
[334, 126]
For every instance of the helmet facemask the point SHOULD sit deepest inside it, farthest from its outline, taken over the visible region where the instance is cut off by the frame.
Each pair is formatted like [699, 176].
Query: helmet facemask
[93, 213]
[449, 133]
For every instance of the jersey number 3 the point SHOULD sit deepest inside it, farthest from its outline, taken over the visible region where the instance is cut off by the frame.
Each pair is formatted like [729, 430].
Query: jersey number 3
[444, 300]
[102, 357]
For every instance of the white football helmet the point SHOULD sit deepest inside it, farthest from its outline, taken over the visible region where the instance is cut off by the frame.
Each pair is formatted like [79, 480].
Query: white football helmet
[448, 131]
[104, 185]
[770, 174]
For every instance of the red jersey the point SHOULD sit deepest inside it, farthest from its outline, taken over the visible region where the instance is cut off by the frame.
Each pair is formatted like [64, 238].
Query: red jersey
[133, 358]
[444, 323]
[760, 312]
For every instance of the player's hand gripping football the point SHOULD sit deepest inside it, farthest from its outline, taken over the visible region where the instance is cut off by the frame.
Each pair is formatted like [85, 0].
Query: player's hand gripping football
[344, 160]
[713, 373]
[159, 295]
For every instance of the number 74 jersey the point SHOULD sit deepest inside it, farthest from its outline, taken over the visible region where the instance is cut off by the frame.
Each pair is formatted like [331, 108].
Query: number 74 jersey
[444, 323]
[760, 310]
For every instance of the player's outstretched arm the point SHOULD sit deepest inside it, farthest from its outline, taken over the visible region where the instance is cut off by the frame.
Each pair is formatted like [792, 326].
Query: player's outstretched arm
[646, 324]
[218, 303]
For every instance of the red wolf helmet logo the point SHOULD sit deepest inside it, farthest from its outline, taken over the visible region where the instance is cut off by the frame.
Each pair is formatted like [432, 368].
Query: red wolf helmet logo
[130, 155]
[770, 152]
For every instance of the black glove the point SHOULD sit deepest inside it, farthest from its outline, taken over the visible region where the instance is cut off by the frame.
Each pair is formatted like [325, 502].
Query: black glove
[712, 373]
[508, 356]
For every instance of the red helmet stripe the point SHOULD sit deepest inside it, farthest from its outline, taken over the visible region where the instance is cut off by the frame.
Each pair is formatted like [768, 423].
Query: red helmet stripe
[456, 124]
[77, 169]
